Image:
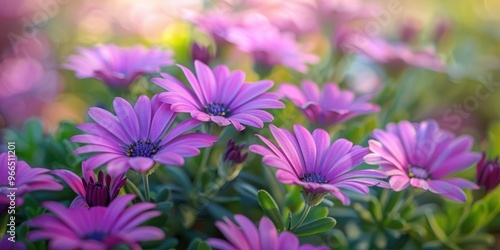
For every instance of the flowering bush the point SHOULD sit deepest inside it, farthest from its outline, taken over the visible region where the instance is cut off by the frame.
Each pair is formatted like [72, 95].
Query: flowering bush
[253, 124]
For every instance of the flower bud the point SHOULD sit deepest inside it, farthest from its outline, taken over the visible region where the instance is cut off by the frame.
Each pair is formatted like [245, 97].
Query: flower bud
[488, 173]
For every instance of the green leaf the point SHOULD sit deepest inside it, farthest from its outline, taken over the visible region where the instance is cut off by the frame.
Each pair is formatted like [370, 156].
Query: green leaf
[163, 195]
[270, 209]
[438, 232]
[396, 224]
[203, 246]
[181, 177]
[316, 226]
[375, 209]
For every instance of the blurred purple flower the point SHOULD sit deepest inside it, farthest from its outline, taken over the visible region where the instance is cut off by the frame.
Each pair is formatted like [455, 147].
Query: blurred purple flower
[421, 156]
[409, 30]
[97, 227]
[117, 66]
[319, 167]
[326, 107]
[27, 87]
[220, 96]
[134, 138]
[91, 191]
[27, 180]
[269, 46]
[488, 173]
[248, 236]
[337, 12]
[399, 55]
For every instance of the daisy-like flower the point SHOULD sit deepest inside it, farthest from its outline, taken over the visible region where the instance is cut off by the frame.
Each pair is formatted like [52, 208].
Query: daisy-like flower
[97, 227]
[488, 173]
[422, 156]
[220, 96]
[308, 160]
[399, 55]
[26, 180]
[248, 236]
[91, 191]
[137, 137]
[269, 46]
[326, 107]
[117, 66]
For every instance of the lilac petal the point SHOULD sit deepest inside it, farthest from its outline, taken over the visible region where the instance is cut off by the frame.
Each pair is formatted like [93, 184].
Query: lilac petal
[98, 160]
[288, 241]
[311, 91]
[108, 122]
[456, 164]
[232, 233]
[381, 153]
[181, 128]
[220, 120]
[399, 182]
[141, 164]
[207, 80]
[261, 115]
[249, 230]
[201, 116]
[198, 90]
[455, 194]
[249, 92]
[288, 148]
[220, 244]
[247, 119]
[162, 120]
[169, 158]
[143, 111]
[95, 149]
[231, 86]
[338, 150]
[79, 201]
[439, 186]
[292, 93]
[127, 116]
[73, 180]
[177, 88]
[463, 183]
[307, 146]
[419, 183]
[408, 138]
[96, 140]
[97, 130]
[117, 167]
[392, 144]
[146, 233]
[268, 234]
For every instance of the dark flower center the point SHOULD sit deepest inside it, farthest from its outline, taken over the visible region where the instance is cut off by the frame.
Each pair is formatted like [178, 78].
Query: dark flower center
[311, 177]
[98, 236]
[216, 109]
[143, 148]
[418, 172]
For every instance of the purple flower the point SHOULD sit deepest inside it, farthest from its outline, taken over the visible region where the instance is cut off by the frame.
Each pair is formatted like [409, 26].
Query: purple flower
[220, 96]
[488, 173]
[26, 180]
[248, 236]
[311, 162]
[200, 53]
[97, 227]
[326, 107]
[270, 47]
[399, 55]
[91, 191]
[117, 66]
[422, 155]
[135, 138]
[234, 153]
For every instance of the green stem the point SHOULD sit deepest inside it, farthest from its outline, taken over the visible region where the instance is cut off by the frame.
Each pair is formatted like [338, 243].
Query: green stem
[145, 181]
[306, 211]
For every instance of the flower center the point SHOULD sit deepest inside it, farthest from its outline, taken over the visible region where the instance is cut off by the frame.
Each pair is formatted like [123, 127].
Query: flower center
[98, 236]
[418, 172]
[143, 148]
[311, 177]
[216, 109]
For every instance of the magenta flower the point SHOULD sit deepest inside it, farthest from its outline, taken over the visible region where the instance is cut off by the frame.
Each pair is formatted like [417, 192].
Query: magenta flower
[270, 47]
[422, 155]
[9, 245]
[135, 138]
[117, 66]
[91, 191]
[97, 227]
[320, 168]
[399, 55]
[488, 173]
[220, 96]
[326, 107]
[248, 236]
[26, 180]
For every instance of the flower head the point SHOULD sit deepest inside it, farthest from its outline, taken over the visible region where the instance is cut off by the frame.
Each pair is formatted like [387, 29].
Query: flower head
[328, 106]
[308, 160]
[220, 96]
[92, 191]
[97, 227]
[421, 156]
[488, 173]
[26, 180]
[269, 46]
[137, 137]
[248, 236]
[399, 55]
[117, 66]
